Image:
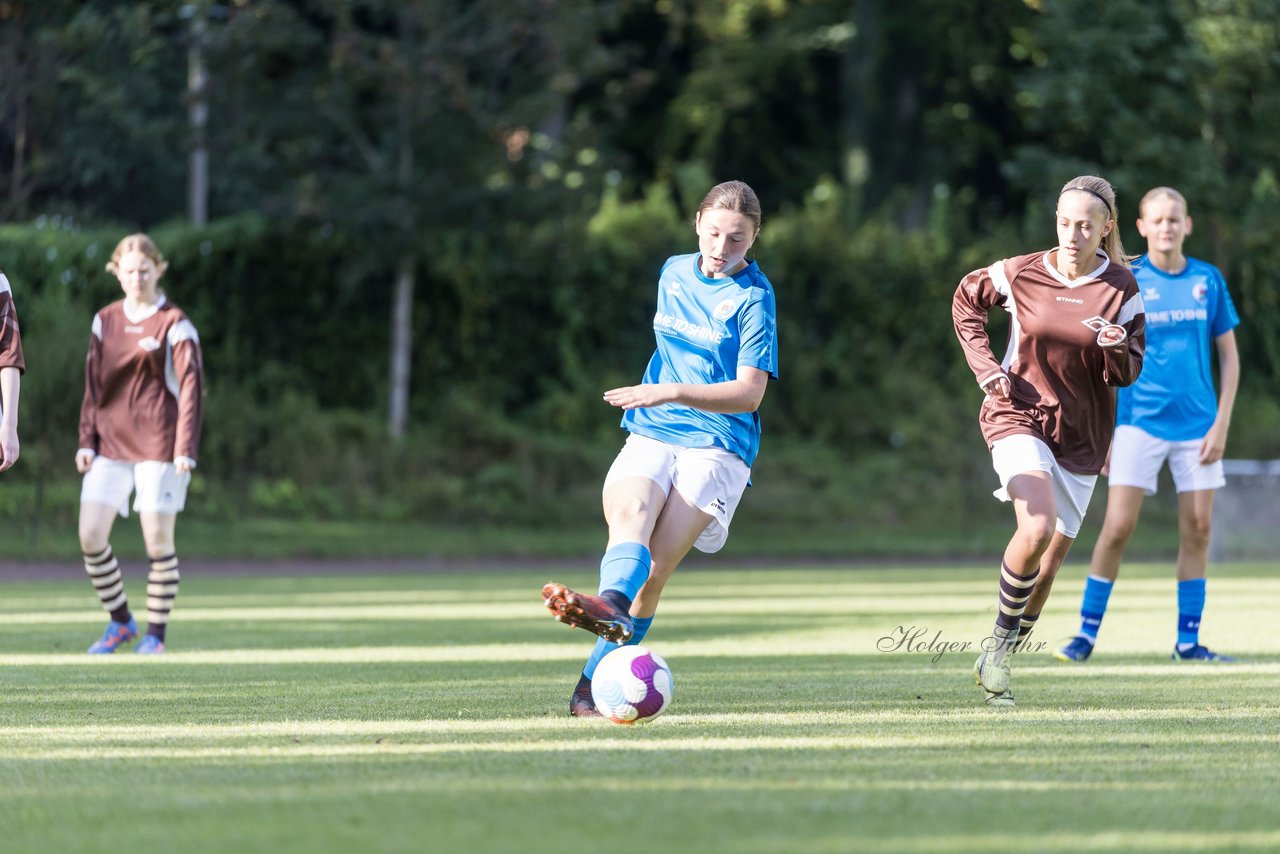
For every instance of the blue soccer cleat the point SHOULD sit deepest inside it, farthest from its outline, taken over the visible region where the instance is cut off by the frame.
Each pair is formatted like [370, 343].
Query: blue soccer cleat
[115, 636]
[1077, 649]
[149, 645]
[1200, 653]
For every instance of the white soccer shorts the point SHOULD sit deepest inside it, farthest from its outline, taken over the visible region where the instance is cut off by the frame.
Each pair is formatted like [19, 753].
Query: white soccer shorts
[1136, 458]
[711, 479]
[1021, 453]
[160, 489]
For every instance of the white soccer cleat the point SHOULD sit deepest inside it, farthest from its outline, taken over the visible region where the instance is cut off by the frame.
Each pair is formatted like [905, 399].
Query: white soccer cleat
[1004, 700]
[993, 676]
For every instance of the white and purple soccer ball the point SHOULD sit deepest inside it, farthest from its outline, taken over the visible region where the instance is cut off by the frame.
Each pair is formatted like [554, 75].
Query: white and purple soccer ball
[632, 685]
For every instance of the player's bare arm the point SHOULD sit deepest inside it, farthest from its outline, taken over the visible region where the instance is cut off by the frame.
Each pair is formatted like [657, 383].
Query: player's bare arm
[10, 383]
[1215, 441]
[742, 394]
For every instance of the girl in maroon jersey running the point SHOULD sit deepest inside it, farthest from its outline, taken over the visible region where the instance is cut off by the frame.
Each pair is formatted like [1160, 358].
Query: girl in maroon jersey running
[12, 367]
[139, 431]
[1076, 331]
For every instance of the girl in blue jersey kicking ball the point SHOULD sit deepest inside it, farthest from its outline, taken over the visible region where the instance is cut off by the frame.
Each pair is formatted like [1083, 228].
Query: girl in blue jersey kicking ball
[694, 428]
[1171, 413]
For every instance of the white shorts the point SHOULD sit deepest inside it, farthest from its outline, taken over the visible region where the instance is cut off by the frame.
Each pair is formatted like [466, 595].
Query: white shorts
[160, 489]
[1136, 457]
[1019, 454]
[711, 479]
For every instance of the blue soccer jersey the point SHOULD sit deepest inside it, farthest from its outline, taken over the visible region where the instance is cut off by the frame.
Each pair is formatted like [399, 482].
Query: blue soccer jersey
[707, 329]
[1174, 397]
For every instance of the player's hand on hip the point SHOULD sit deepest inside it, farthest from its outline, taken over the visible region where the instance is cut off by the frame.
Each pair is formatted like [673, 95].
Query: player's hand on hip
[1111, 335]
[183, 464]
[997, 387]
[84, 459]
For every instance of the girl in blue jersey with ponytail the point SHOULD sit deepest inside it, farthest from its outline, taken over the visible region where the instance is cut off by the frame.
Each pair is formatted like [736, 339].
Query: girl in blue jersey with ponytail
[694, 428]
[1171, 413]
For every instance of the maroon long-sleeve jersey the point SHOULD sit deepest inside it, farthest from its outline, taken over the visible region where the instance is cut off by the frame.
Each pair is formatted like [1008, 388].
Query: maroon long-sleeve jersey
[143, 388]
[1061, 382]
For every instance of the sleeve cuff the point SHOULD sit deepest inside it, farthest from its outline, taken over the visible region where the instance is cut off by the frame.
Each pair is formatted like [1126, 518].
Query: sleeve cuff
[982, 383]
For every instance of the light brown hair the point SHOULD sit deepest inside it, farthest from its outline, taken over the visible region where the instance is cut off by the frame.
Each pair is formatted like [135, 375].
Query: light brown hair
[138, 243]
[733, 196]
[1156, 192]
[1101, 189]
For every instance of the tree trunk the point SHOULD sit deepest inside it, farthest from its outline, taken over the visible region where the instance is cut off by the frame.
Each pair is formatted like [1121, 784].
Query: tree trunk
[401, 346]
[197, 121]
[17, 187]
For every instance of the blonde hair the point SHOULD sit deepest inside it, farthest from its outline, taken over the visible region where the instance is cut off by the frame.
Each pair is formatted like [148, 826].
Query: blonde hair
[138, 243]
[733, 196]
[1101, 189]
[1157, 192]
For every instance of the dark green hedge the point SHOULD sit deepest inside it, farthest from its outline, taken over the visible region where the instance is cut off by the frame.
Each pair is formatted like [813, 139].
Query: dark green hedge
[518, 330]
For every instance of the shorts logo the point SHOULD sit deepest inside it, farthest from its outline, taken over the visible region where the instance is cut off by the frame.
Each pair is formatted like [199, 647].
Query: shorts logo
[1199, 292]
[1096, 323]
[724, 310]
[718, 505]
[149, 343]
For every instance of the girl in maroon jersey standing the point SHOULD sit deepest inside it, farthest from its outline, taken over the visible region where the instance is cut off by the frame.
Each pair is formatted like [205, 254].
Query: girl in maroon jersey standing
[12, 367]
[139, 433]
[1076, 332]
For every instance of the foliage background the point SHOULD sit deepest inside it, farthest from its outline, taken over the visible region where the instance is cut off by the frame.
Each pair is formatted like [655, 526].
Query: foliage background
[534, 162]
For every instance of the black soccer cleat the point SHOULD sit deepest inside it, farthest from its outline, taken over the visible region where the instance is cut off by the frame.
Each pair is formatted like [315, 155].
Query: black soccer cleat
[581, 704]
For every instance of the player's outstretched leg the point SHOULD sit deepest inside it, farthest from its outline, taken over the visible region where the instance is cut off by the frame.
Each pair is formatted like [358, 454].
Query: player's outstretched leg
[597, 614]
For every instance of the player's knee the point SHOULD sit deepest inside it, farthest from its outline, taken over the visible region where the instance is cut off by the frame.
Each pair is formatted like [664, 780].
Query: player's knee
[93, 539]
[1196, 530]
[1115, 534]
[626, 512]
[1036, 532]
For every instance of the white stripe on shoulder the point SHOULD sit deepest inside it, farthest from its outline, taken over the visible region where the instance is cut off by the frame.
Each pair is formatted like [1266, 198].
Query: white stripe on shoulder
[97, 326]
[999, 279]
[4, 285]
[183, 330]
[1131, 309]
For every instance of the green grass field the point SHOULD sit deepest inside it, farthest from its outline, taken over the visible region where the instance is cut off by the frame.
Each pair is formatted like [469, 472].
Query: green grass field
[377, 713]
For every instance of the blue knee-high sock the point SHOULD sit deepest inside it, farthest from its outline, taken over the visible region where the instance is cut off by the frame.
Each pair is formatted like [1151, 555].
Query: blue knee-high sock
[625, 568]
[603, 647]
[1094, 605]
[1190, 608]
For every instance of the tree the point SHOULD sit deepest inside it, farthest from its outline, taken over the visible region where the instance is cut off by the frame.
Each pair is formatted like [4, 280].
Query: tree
[415, 108]
[28, 65]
